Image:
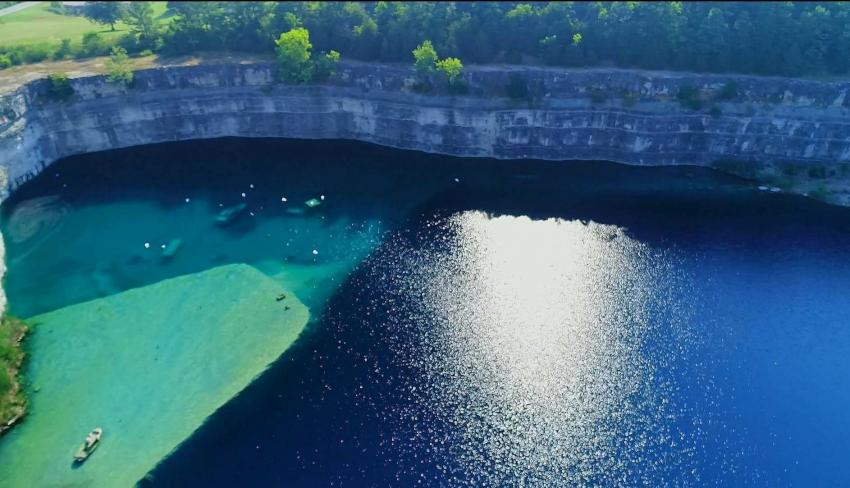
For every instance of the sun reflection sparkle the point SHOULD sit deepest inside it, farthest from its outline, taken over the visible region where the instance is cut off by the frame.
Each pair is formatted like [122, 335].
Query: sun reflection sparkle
[534, 356]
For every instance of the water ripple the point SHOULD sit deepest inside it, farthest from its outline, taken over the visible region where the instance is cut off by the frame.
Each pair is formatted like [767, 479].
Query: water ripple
[542, 353]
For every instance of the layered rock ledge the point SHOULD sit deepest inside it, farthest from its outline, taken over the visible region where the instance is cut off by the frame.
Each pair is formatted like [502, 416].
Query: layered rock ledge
[745, 124]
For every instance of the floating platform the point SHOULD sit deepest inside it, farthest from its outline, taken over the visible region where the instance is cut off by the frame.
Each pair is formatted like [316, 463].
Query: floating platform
[149, 365]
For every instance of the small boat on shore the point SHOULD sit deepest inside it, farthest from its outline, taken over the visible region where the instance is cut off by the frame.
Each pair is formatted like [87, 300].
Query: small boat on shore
[90, 444]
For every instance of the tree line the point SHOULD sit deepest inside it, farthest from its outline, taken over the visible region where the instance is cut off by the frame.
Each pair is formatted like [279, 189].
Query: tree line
[769, 38]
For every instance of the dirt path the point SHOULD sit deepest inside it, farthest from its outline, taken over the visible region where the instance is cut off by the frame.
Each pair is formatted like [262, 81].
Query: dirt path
[16, 76]
[17, 8]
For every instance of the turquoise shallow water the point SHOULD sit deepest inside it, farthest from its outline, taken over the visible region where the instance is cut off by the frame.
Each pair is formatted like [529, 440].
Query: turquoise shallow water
[83, 234]
[99, 249]
[147, 366]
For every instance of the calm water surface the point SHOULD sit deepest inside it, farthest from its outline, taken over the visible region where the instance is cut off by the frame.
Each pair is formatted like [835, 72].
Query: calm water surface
[478, 322]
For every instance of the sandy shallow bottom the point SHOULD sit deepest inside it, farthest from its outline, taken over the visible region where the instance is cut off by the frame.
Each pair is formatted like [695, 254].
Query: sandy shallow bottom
[148, 365]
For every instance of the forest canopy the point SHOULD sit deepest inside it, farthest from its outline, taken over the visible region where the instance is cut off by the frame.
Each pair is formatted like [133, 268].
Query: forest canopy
[789, 38]
[770, 38]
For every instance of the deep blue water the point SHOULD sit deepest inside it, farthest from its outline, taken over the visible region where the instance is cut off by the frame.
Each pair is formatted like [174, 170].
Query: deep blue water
[527, 323]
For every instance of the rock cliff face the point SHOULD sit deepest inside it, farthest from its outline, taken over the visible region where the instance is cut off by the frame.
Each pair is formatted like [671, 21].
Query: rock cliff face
[625, 116]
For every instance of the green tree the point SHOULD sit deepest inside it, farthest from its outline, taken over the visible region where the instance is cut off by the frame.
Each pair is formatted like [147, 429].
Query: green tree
[63, 50]
[247, 23]
[523, 31]
[139, 15]
[293, 55]
[57, 8]
[576, 39]
[118, 67]
[425, 59]
[105, 13]
[93, 45]
[197, 25]
[333, 24]
[325, 65]
[451, 67]
[59, 86]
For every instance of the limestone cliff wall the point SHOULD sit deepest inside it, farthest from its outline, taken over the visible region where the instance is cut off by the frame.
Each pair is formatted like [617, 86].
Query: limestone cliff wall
[625, 116]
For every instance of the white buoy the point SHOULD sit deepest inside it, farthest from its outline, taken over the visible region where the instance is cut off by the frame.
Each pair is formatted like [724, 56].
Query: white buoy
[187, 199]
[162, 246]
[282, 199]
[147, 245]
[252, 213]
[315, 252]
[321, 197]
[457, 180]
[251, 186]
[243, 194]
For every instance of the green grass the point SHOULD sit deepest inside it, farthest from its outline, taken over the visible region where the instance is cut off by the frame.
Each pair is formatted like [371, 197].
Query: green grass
[12, 400]
[37, 25]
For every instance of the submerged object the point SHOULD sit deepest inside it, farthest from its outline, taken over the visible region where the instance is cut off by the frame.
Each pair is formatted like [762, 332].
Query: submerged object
[171, 248]
[32, 221]
[89, 445]
[313, 203]
[228, 214]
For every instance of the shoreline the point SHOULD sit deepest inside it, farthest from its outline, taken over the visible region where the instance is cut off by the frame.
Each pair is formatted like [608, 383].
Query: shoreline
[13, 404]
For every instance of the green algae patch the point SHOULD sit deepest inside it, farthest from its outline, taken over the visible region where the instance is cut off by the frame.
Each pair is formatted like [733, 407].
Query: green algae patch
[12, 400]
[148, 365]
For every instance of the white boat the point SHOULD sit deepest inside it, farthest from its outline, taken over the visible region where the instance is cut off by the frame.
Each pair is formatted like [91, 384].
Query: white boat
[90, 444]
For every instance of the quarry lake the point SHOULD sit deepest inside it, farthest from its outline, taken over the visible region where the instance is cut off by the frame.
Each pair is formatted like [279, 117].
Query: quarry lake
[429, 321]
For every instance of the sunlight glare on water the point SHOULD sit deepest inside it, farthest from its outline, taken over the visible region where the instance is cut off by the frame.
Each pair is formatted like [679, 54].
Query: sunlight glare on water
[536, 361]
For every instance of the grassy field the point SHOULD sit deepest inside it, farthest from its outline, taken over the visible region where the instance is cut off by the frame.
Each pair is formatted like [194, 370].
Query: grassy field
[37, 25]
[12, 400]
